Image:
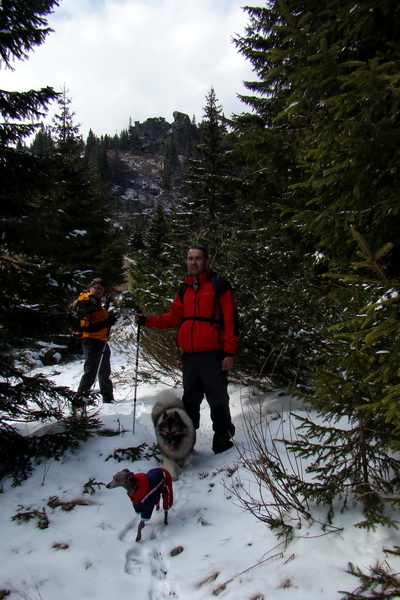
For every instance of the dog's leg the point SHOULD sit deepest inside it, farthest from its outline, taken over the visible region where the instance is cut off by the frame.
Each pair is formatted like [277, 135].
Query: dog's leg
[165, 517]
[139, 531]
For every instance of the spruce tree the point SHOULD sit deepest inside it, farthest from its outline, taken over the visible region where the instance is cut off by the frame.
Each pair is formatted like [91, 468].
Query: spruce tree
[95, 156]
[318, 144]
[22, 27]
[25, 178]
[88, 241]
[203, 210]
[42, 142]
[30, 286]
[322, 136]
[152, 286]
[356, 390]
[209, 195]
[156, 274]
[328, 82]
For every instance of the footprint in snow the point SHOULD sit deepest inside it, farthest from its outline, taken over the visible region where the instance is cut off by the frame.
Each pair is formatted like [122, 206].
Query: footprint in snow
[161, 587]
[158, 566]
[133, 564]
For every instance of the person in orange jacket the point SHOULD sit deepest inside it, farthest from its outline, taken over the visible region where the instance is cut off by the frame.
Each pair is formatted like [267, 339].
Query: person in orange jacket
[205, 311]
[95, 323]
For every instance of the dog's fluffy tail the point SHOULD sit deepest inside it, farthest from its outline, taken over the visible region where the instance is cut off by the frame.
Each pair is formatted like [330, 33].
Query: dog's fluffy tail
[165, 399]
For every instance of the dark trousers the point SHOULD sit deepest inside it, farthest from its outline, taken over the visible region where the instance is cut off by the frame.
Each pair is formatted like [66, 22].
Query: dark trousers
[203, 376]
[95, 351]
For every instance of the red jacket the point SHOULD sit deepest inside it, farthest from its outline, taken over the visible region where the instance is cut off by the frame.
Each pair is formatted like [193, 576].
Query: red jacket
[151, 486]
[206, 322]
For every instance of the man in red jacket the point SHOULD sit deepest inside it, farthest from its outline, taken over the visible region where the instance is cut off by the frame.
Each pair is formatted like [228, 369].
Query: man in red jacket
[206, 313]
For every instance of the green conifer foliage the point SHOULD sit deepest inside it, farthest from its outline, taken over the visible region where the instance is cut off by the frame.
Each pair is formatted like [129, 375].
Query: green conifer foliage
[329, 80]
[42, 142]
[31, 399]
[25, 178]
[204, 211]
[95, 156]
[356, 388]
[156, 274]
[88, 241]
[319, 147]
[209, 176]
[22, 27]
[151, 269]
[321, 163]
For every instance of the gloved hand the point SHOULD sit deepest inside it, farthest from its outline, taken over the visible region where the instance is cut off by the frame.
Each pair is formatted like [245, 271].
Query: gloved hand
[113, 315]
[85, 308]
[140, 318]
[107, 299]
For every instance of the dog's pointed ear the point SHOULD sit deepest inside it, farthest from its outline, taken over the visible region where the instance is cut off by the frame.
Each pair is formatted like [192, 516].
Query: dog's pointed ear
[126, 471]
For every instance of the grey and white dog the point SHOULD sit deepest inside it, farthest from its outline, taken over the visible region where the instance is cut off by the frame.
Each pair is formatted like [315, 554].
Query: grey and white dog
[174, 430]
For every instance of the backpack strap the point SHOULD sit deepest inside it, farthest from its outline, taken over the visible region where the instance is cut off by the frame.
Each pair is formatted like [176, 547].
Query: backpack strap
[220, 286]
[182, 290]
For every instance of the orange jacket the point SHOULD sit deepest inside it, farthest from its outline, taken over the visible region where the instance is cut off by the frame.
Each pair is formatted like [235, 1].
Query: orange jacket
[207, 320]
[94, 323]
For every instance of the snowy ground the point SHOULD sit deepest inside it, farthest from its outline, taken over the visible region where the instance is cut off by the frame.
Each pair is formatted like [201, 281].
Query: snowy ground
[211, 547]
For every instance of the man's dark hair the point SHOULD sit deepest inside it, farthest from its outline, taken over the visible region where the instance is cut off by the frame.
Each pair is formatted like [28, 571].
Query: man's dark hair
[203, 249]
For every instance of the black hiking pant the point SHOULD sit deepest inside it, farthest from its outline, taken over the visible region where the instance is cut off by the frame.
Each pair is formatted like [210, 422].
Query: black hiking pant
[95, 351]
[203, 376]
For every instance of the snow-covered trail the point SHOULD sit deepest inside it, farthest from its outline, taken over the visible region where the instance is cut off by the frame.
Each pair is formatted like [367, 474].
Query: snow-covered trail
[211, 546]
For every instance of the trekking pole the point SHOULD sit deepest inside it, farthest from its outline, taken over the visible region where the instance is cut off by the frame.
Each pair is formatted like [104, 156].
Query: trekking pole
[101, 357]
[98, 370]
[136, 378]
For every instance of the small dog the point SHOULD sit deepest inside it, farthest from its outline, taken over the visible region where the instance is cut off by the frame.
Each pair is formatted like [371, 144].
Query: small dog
[174, 430]
[145, 490]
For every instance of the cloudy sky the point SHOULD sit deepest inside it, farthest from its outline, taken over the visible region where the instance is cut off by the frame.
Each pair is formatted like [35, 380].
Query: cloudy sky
[135, 59]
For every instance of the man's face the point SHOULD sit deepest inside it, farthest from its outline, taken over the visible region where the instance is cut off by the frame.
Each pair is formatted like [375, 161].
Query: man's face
[97, 290]
[196, 262]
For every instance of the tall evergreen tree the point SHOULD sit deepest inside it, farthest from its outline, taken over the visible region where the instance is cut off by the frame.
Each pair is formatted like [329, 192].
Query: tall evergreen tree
[65, 131]
[356, 389]
[42, 142]
[156, 275]
[326, 106]
[209, 195]
[95, 156]
[25, 177]
[89, 242]
[328, 81]
[153, 287]
[22, 27]
[203, 212]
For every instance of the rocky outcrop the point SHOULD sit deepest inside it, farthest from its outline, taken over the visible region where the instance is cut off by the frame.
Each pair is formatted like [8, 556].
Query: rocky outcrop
[151, 136]
[149, 165]
[185, 134]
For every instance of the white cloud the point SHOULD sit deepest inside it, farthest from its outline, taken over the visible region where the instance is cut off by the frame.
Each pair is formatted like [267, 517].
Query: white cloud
[123, 59]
